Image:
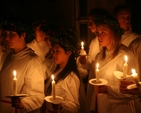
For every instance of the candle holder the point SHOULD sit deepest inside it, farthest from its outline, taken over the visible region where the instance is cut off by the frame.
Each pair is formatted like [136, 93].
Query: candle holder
[56, 100]
[119, 75]
[99, 83]
[83, 53]
[133, 86]
[138, 86]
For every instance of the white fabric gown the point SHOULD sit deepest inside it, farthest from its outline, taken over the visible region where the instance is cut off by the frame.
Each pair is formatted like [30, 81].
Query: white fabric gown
[67, 88]
[40, 48]
[128, 37]
[114, 101]
[135, 47]
[30, 80]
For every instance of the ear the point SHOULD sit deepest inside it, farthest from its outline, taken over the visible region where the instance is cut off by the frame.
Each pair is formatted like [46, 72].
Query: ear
[69, 53]
[23, 35]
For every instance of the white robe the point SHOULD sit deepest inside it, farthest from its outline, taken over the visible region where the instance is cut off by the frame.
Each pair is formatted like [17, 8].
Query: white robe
[128, 37]
[135, 47]
[40, 48]
[30, 80]
[114, 101]
[94, 49]
[68, 88]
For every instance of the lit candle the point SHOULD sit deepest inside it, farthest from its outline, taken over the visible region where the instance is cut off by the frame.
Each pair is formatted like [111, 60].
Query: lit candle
[14, 83]
[82, 45]
[125, 68]
[53, 87]
[82, 52]
[135, 76]
[97, 72]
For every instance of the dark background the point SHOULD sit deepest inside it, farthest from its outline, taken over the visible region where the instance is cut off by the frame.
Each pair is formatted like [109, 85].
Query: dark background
[67, 12]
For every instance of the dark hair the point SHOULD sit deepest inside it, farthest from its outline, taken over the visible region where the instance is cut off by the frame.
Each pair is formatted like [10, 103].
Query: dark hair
[50, 29]
[70, 67]
[14, 24]
[18, 25]
[120, 8]
[68, 44]
[67, 41]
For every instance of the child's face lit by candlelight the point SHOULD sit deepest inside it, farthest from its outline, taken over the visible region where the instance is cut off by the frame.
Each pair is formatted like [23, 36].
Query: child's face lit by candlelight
[60, 56]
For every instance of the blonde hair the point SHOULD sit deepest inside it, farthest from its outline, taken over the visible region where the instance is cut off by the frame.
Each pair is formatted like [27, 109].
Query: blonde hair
[115, 43]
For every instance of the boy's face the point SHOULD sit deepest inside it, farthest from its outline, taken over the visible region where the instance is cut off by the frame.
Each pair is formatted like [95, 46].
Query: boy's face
[13, 40]
[124, 18]
[40, 35]
[91, 25]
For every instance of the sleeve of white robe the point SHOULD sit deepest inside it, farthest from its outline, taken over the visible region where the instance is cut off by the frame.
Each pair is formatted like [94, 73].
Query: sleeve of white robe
[71, 87]
[33, 85]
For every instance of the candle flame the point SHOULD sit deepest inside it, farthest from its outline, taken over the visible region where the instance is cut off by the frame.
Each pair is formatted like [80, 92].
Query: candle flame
[52, 77]
[82, 44]
[97, 65]
[126, 58]
[14, 73]
[133, 71]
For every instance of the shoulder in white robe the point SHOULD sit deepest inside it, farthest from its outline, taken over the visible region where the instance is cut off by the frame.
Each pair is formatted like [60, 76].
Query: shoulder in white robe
[114, 101]
[68, 88]
[30, 80]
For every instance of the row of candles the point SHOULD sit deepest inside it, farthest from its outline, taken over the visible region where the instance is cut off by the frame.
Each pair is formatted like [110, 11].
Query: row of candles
[134, 75]
[15, 85]
[53, 81]
[125, 68]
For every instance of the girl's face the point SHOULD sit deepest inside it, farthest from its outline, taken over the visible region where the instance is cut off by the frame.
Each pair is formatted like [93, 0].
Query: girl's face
[60, 57]
[104, 36]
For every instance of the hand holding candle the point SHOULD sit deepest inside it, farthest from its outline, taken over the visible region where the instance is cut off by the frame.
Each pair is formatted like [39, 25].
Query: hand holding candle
[135, 76]
[14, 83]
[97, 72]
[125, 68]
[53, 87]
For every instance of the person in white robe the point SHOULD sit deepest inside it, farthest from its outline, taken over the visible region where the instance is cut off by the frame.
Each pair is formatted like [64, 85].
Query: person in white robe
[123, 15]
[110, 59]
[29, 69]
[136, 49]
[39, 44]
[85, 64]
[68, 83]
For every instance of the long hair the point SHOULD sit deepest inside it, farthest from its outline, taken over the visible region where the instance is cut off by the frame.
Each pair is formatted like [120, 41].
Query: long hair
[116, 31]
[116, 42]
[71, 65]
